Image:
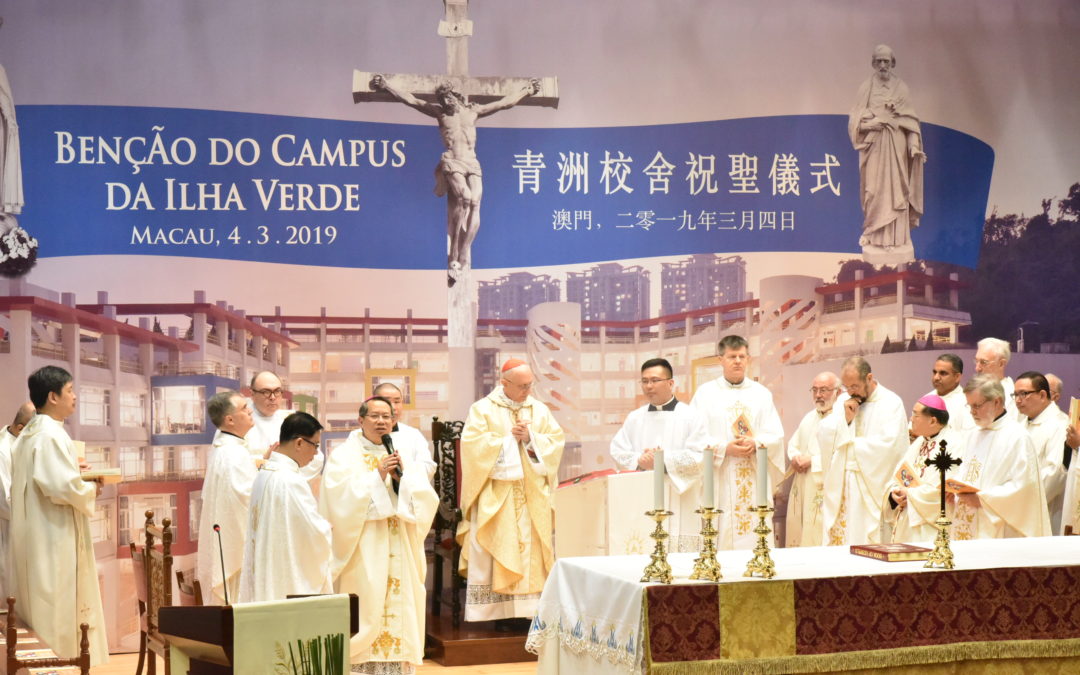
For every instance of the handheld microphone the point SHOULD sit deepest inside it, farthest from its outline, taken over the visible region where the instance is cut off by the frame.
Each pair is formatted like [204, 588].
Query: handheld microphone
[395, 475]
[221, 554]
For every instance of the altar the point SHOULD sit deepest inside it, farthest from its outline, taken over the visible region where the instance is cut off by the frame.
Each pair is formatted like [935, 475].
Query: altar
[1010, 600]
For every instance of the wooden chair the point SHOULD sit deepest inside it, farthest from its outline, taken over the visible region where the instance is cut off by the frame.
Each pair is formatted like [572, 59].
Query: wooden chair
[14, 663]
[138, 571]
[190, 593]
[446, 437]
[157, 562]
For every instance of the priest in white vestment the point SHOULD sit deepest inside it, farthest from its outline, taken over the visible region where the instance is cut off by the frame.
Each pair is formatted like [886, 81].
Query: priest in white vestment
[407, 440]
[511, 446]
[912, 499]
[999, 460]
[1046, 424]
[803, 524]
[865, 437]
[380, 506]
[55, 573]
[991, 358]
[945, 378]
[8, 435]
[741, 418]
[1070, 515]
[667, 424]
[287, 551]
[226, 495]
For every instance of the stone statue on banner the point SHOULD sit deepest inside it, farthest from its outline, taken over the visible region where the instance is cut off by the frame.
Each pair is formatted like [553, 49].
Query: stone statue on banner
[18, 250]
[885, 130]
[458, 176]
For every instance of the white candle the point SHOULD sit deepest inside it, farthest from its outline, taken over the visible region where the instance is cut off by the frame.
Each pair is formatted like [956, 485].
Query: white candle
[762, 479]
[658, 480]
[707, 476]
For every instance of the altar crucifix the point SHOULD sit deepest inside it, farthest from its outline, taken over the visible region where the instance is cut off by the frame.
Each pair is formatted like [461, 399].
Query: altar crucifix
[942, 555]
[457, 101]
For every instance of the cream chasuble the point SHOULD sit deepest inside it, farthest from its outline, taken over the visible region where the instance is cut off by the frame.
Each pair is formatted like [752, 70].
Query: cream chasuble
[378, 550]
[506, 498]
[914, 522]
[863, 455]
[723, 404]
[682, 435]
[287, 551]
[1070, 515]
[226, 493]
[1001, 462]
[55, 575]
[804, 501]
[7, 441]
[1047, 432]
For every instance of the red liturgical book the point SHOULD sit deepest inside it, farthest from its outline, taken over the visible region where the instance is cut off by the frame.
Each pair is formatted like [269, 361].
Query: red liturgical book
[891, 552]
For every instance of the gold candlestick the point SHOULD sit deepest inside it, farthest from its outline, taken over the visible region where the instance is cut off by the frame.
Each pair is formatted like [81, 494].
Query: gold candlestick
[705, 565]
[761, 564]
[658, 568]
[941, 556]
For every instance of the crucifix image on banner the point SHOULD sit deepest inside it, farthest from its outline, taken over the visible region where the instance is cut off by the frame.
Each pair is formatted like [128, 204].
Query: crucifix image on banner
[457, 101]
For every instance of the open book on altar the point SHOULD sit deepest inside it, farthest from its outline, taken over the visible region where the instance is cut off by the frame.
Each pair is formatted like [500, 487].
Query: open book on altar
[907, 476]
[959, 487]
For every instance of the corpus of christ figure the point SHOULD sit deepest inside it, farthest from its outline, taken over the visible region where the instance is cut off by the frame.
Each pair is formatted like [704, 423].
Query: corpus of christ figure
[458, 175]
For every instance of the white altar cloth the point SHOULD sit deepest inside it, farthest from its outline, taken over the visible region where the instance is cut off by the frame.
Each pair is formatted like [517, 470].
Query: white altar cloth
[589, 618]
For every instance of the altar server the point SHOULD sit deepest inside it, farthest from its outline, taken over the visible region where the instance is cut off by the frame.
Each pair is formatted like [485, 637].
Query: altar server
[865, 437]
[407, 439]
[55, 575]
[912, 502]
[807, 492]
[679, 430]
[226, 493]
[380, 506]
[999, 460]
[510, 451]
[8, 436]
[740, 417]
[1046, 425]
[288, 542]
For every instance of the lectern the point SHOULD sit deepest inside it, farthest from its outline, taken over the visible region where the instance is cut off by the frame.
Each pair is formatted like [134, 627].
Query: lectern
[205, 634]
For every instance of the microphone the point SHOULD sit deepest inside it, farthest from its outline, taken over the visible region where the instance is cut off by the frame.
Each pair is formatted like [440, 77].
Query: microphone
[395, 475]
[221, 554]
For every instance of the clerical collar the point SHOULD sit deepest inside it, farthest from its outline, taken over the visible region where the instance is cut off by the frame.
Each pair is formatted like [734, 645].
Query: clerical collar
[735, 385]
[667, 407]
[232, 434]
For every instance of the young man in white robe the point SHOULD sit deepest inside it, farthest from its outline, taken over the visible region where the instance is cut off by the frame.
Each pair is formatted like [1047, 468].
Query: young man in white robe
[407, 440]
[679, 430]
[226, 495]
[380, 506]
[864, 437]
[8, 436]
[511, 446]
[741, 418]
[912, 505]
[1046, 424]
[999, 460]
[55, 573]
[288, 541]
[945, 378]
[991, 358]
[803, 524]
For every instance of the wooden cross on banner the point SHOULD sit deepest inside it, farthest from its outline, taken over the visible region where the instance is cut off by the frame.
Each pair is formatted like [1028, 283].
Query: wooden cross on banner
[457, 29]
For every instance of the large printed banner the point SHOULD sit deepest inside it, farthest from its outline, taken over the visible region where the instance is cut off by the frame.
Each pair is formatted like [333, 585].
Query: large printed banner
[259, 187]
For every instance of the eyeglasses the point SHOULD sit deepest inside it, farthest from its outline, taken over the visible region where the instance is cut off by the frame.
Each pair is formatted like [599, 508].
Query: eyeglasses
[380, 418]
[1019, 395]
[821, 390]
[655, 380]
[312, 443]
[269, 393]
[985, 362]
[976, 407]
